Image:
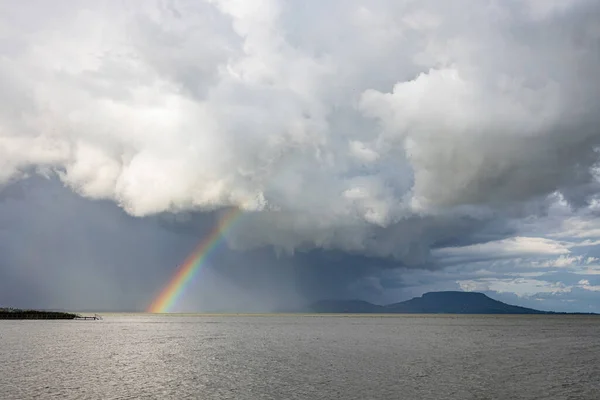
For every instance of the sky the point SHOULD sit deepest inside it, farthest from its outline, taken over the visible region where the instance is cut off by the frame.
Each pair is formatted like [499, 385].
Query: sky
[378, 150]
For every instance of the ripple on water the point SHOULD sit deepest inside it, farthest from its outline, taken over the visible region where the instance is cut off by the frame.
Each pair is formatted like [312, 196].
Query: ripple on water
[294, 357]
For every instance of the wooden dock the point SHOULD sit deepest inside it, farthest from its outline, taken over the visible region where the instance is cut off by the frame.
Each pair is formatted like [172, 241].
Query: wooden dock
[95, 317]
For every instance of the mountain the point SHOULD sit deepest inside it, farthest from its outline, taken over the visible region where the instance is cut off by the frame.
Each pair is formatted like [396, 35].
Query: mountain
[429, 303]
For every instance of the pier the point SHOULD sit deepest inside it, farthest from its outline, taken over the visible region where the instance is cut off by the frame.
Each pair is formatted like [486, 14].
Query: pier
[95, 317]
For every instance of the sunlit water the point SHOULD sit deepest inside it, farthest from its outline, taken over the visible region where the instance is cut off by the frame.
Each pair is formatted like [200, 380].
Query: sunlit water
[301, 357]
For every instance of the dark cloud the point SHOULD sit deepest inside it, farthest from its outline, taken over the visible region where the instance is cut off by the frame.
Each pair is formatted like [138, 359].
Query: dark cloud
[65, 251]
[62, 251]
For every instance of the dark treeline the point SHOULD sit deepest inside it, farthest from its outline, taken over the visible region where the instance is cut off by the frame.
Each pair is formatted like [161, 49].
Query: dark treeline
[13, 313]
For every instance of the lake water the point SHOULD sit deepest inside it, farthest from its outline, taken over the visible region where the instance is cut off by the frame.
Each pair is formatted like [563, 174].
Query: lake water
[302, 357]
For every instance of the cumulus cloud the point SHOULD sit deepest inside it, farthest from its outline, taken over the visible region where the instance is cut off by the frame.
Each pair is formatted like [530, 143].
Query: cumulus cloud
[519, 286]
[517, 247]
[585, 284]
[376, 127]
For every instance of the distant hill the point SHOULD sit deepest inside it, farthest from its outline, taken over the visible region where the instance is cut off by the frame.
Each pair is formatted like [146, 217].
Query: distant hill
[430, 303]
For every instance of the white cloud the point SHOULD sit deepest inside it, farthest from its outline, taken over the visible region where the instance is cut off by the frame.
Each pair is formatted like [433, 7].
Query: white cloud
[522, 287]
[590, 270]
[517, 247]
[585, 284]
[561, 262]
[380, 133]
[579, 227]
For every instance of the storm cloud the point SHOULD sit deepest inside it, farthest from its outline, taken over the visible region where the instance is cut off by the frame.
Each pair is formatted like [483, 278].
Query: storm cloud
[396, 135]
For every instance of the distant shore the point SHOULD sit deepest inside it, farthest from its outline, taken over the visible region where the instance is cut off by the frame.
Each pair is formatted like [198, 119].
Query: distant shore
[12, 313]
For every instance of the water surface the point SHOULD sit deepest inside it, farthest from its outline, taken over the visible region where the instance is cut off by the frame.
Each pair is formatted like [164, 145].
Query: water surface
[302, 357]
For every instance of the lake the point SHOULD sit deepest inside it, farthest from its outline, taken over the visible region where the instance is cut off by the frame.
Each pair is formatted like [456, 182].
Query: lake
[142, 356]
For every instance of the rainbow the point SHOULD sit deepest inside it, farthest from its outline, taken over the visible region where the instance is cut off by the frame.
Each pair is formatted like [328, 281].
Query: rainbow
[168, 297]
